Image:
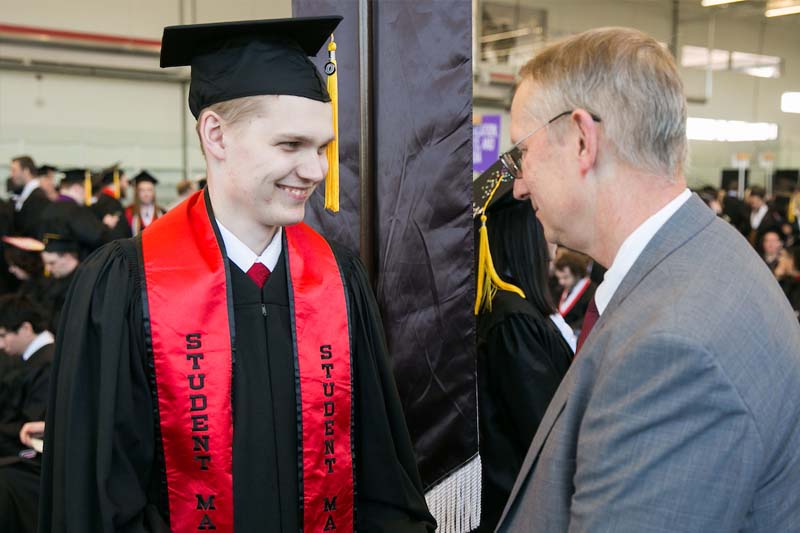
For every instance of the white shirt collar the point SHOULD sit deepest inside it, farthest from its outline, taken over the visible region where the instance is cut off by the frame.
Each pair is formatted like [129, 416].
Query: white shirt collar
[757, 216]
[243, 257]
[43, 339]
[146, 213]
[26, 191]
[632, 248]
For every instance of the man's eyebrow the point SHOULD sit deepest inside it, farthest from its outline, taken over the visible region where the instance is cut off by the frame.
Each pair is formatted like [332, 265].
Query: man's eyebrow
[294, 137]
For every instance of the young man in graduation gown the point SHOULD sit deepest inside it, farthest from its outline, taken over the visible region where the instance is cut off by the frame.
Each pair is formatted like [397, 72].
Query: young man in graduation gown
[69, 214]
[226, 368]
[30, 200]
[23, 398]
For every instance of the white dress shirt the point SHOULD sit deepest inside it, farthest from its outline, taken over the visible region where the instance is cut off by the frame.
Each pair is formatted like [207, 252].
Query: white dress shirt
[26, 191]
[146, 213]
[243, 257]
[43, 339]
[632, 248]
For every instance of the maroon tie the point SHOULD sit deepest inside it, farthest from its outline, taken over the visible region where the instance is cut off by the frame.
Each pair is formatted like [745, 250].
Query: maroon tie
[589, 319]
[258, 273]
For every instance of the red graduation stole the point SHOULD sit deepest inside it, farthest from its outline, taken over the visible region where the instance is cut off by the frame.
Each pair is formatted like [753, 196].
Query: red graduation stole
[189, 325]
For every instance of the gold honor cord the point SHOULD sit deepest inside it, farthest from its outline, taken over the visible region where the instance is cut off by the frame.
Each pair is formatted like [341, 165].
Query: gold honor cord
[488, 280]
[332, 179]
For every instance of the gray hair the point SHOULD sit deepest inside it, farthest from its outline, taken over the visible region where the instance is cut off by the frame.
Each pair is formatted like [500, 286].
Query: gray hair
[629, 80]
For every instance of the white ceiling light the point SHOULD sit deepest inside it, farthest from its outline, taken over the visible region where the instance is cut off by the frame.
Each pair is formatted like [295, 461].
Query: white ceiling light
[709, 3]
[779, 8]
[790, 102]
[707, 129]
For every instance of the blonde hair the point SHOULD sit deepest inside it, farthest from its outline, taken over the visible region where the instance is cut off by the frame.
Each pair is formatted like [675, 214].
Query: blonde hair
[233, 111]
[629, 80]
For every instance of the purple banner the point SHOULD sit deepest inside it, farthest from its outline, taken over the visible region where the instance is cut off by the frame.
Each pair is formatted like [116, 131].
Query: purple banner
[485, 142]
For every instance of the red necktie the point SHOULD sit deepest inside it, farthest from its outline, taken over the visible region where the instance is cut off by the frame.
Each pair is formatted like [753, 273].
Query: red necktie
[589, 320]
[258, 273]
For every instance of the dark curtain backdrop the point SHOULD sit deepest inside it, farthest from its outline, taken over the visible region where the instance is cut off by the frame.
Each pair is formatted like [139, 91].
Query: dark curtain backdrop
[422, 78]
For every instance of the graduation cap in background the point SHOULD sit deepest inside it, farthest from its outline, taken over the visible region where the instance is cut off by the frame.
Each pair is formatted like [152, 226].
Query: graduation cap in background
[60, 243]
[79, 175]
[232, 60]
[144, 177]
[111, 176]
[491, 190]
[44, 169]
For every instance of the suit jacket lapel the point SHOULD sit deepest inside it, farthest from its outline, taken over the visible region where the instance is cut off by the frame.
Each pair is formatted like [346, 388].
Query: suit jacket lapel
[692, 217]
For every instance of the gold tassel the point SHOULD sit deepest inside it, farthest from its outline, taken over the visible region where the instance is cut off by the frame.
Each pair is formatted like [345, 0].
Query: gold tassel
[489, 281]
[87, 188]
[332, 179]
[117, 189]
[791, 211]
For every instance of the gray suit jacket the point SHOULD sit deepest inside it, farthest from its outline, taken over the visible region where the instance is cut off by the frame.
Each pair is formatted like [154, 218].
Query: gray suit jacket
[682, 410]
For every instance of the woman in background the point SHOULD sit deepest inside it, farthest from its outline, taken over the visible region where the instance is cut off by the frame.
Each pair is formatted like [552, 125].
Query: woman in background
[522, 356]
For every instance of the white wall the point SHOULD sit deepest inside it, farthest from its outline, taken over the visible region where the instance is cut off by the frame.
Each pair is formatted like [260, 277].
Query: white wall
[735, 96]
[70, 120]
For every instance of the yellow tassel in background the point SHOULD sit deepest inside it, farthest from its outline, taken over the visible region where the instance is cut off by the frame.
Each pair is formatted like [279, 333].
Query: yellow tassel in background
[791, 211]
[332, 179]
[489, 281]
[87, 187]
[117, 188]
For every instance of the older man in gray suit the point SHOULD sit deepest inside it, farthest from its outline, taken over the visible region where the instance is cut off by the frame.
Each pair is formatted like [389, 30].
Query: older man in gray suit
[681, 411]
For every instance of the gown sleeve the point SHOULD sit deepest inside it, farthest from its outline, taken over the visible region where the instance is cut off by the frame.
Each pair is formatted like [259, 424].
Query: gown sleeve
[99, 439]
[389, 495]
[522, 351]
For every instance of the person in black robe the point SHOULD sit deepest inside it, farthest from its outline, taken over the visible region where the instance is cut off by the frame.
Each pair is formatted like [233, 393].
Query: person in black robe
[522, 356]
[23, 255]
[61, 259]
[103, 468]
[24, 392]
[23, 398]
[67, 216]
[108, 204]
[31, 199]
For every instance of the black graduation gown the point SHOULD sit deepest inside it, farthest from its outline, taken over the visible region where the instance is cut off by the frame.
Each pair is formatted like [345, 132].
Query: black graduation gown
[106, 205]
[23, 398]
[8, 283]
[102, 467]
[76, 222]
[522, 358]
[53, 295]
[27, 220]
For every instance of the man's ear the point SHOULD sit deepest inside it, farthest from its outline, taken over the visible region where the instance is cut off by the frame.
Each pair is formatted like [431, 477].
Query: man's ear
[588, 139]
[211, 135]
[26, 327]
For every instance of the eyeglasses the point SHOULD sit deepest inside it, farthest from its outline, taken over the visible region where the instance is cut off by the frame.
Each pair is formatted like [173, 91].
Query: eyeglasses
[512, 159]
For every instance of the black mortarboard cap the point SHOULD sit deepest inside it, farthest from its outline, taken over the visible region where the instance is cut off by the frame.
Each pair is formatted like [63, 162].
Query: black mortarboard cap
[107, 174]
[144, 176]
[73, 175]
[484, 184]
[490, 191]
[44, 169]
[58, 242]
[247, 58]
